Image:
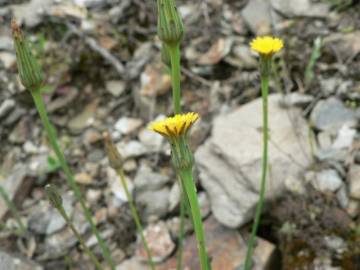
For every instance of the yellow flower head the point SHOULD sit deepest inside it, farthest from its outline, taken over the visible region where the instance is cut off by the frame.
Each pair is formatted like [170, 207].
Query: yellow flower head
[266, 45]
[176, 126]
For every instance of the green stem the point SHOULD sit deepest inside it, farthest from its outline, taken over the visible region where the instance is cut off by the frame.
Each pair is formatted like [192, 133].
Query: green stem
[174, 52]
[13, 209]
[181, 231]
[40, 106]
[259, 206]
[190, 190]
[81, 241]
[136, 217]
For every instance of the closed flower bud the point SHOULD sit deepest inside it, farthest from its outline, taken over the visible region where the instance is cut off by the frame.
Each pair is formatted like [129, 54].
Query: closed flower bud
[170, 25]
[115, 159]
[54, 197]
[30, 73]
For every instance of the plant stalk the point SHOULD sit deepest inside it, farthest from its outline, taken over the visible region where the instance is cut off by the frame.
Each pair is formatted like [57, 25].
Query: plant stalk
[259, 206]
[136, 217]
[81, 241]
[174, 52]
[40, 106]
[181, 231]
[190, 190]
[13, 209]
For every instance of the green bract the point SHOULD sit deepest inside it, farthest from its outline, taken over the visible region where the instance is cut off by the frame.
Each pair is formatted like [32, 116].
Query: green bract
[170, 25]
[30, 73]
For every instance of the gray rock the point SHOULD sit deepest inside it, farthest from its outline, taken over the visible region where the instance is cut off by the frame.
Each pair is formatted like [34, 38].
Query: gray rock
[294, 184]
[354, 181]
[345, 138]
[116, 88]
[147, 179]
[6, 43]
[141, 56]
[327, 180]
[8, 59]
[84, 119]
[257, 16]
[127, 125]
[234, 153]
[15, 116]
[174, 197]
[335, 243]
[293, 8]
[132, 149]
[329, 154]
[6, 106]
[324, 140]
[156, 202]
[47, 220]
[151, 139]
[13, 262]
[13, 184]
[331, 114]
[30, 13]
[204, 203]
[116, 186]
[330, 85]
[343, 197]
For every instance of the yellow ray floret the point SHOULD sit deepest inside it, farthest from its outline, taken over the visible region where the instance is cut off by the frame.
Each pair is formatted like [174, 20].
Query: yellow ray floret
[266, 45]
[176, 126]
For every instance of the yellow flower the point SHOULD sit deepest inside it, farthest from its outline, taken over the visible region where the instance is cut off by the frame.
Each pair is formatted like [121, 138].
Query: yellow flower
[176, 126]
[266, 45]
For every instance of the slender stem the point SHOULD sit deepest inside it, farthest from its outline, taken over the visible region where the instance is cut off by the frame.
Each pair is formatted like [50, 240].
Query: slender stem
[190, 190]
[13, 209]
[81, 241]
[259, 206]
[136, 217]
[174, 52]
[69, 176]
[181, 231]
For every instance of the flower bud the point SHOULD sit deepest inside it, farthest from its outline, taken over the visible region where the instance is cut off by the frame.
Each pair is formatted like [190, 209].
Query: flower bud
[115, 159]
[170, 25]
[54, 197]
[30, 73]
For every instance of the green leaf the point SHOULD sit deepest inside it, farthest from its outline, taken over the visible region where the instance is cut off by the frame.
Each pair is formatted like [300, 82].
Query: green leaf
[53, 164]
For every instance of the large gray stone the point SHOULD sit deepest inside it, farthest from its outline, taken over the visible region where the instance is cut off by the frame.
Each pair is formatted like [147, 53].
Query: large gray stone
[230, 161]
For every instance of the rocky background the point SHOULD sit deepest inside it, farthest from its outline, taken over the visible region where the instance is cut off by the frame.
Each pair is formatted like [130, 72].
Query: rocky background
[102, 62]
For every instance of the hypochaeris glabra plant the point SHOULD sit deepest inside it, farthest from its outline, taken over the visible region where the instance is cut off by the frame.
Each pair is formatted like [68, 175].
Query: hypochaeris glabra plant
[32, 77]
[266, 47]
[175, 129]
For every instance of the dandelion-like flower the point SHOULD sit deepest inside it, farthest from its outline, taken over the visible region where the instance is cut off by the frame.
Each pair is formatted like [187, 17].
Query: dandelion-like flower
[266, 45]
[176, 126]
